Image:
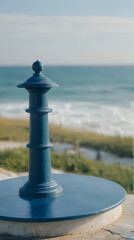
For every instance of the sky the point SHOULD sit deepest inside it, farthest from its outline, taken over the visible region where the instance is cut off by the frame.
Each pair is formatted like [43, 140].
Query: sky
[67, 32]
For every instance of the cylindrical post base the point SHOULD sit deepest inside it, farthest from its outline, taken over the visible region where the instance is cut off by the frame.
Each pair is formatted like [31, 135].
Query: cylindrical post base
[50, 189]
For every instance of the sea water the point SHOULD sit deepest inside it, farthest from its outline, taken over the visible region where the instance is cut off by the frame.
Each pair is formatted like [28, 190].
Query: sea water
[93, 98]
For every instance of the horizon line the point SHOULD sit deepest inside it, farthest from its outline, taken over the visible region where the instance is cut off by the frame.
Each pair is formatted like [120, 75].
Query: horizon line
[73, 65]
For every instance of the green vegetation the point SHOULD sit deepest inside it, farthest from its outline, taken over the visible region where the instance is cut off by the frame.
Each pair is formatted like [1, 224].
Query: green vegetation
[81, 165]
[17, 160]
[121, 146]
[18, 130]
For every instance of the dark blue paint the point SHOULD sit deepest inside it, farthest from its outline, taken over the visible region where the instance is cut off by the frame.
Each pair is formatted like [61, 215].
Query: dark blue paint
[41, 198]
[40, 182]
[82, 196]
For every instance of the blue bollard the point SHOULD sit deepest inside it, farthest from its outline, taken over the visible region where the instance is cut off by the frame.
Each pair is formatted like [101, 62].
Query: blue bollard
[40, 182]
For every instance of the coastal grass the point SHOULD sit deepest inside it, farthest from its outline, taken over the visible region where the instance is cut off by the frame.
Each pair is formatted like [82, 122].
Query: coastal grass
[18, 130]
[17, 160]
[14, 130]
[121, 146]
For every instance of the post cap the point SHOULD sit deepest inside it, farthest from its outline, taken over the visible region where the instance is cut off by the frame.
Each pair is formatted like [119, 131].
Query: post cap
[38, 80]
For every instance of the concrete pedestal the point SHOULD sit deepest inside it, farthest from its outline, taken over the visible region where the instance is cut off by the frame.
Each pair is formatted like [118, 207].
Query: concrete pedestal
[50, 229]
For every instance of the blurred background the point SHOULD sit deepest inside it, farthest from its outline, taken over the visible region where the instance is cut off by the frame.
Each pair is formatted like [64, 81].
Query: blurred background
[87, 48]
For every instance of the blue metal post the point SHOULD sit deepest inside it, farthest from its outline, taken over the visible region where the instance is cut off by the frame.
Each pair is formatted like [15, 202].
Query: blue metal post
[40, 182]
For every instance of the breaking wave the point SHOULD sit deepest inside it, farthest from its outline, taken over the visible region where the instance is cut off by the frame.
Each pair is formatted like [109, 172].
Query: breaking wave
[90, 116]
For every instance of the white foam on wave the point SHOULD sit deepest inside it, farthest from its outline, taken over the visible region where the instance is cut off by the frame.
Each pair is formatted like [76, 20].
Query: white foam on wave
[100, 118]
[14, 110]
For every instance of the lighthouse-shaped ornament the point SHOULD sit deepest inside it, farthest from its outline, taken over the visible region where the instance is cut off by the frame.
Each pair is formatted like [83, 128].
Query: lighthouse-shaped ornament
[42, 203]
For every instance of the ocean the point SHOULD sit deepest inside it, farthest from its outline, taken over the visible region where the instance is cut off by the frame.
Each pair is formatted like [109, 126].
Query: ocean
[92, 98]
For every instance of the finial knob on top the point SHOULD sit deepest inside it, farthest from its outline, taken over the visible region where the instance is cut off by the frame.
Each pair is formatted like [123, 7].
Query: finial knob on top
[38, 80]
[37, 67]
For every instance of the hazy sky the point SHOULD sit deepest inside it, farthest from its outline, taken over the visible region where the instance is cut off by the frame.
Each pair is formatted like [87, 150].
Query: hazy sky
[72, 32]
